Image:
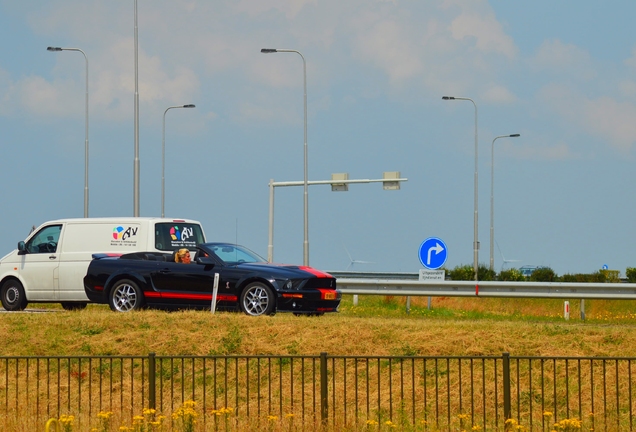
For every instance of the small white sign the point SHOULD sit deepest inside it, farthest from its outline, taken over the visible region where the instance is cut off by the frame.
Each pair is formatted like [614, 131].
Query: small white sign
[432, 275]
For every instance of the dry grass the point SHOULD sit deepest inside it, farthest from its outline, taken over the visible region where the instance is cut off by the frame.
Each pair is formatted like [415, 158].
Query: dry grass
[453, 327]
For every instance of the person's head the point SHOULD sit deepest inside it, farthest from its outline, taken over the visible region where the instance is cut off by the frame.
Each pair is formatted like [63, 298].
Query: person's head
[182, 256]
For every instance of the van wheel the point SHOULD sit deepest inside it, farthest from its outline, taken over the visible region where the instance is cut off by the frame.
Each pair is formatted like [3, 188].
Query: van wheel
[258, 299]
[13, 297]
[125, 296]
[71, 306]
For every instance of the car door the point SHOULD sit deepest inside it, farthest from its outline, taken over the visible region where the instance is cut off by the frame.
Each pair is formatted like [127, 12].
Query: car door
[180, 283]
[39, 264]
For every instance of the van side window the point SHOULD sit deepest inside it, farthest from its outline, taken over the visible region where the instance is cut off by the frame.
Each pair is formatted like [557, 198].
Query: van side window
[45, 241]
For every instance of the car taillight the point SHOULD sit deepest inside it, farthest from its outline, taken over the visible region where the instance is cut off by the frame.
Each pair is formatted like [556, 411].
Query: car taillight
[328, 294]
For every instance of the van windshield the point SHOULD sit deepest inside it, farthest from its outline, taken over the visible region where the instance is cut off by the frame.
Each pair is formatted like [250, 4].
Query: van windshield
[170, 236]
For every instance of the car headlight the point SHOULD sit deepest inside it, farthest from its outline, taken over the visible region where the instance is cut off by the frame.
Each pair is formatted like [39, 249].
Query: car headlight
[290, 284]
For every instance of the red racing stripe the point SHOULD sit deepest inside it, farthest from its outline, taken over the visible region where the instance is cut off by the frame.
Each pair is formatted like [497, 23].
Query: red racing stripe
[196, 297]
[315, 272]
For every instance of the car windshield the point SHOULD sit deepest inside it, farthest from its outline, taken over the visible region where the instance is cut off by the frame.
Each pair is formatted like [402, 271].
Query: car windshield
[234, 254]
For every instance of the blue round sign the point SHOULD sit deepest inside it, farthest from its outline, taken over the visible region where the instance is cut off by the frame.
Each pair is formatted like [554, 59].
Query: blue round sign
[433, 253]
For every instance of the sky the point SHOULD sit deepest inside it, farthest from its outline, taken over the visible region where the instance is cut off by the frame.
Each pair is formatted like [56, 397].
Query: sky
[561, 74]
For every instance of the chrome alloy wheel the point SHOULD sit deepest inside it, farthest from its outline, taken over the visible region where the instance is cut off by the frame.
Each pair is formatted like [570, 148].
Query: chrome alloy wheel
[125, 298]
[257, 300]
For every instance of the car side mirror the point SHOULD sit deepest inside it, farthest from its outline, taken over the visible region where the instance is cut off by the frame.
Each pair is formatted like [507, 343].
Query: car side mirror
[21, 248]
[205, 261]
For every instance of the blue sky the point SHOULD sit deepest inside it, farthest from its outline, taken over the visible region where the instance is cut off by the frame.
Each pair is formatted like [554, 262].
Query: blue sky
[561, 74]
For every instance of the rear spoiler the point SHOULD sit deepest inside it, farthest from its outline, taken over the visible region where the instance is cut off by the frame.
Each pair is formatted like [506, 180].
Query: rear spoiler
[106, 255]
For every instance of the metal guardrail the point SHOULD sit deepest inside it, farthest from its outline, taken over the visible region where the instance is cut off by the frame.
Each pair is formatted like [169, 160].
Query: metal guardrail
[560, 290]
[374, 275]
[324, 392]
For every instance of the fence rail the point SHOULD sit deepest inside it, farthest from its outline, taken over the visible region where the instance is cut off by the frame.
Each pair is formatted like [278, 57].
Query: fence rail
[323, 391]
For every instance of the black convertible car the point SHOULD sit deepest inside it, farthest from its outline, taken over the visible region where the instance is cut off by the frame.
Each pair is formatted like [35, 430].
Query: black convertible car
[246, 282]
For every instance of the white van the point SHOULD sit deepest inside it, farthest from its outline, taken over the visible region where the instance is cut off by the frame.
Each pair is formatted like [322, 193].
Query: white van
[50, 264]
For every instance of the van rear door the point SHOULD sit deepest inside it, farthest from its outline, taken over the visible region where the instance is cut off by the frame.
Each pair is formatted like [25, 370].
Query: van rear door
[170, 236]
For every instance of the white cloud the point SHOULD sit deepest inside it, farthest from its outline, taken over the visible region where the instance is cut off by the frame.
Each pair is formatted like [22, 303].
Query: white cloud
[538, 150]
[498, 94]
[627, 87]
[388, 45]
[57, 99]
[610, 120]
[487, 32]
[556, 57]
[631, 62]
[111, 85]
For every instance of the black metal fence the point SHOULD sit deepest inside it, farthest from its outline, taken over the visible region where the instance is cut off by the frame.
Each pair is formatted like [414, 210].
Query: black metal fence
[325, 392]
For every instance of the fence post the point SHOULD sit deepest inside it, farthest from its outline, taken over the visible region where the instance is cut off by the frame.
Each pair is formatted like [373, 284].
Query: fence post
[506, 385]
[151, 381]
[324, 397]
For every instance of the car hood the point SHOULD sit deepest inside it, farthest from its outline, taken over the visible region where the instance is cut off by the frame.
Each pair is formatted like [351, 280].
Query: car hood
[286, 270]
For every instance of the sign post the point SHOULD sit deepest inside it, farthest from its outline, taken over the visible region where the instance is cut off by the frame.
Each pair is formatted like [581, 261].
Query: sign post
[432, 253]
[215, 291]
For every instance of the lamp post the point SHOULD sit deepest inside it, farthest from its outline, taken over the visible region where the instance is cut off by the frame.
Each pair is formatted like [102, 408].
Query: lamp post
[55, 49]
[136, 151]
[492, 194]
[163, 156]
[476, 239]
[305, 182]
[339, 182]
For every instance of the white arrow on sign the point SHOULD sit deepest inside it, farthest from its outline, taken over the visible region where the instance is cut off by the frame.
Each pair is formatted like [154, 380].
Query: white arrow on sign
[437, 248]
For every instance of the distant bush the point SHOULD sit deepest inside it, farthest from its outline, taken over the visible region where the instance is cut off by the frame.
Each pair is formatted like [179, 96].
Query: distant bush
[485, 274]
[610, 276]
[466, 272]
[462, 273]
[543, 274]
[601, 276]
[630, 273]
[511, 275]
[583, 277]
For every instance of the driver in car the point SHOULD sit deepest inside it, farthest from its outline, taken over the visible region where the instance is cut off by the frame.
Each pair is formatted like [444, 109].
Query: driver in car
[182, 256]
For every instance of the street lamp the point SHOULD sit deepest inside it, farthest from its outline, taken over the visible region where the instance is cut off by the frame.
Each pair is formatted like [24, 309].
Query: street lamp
[305, 183]
[55, 49]
[492, 194]
[163, 155]
[476, 239]
[136, 151]
[339, 182]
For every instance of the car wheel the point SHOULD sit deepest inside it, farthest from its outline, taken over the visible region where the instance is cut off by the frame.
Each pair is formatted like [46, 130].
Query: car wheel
[13, 297]
[125, 296]
[258, 299]
[71, 306]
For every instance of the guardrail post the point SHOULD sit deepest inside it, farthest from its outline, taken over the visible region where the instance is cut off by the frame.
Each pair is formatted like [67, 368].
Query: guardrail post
[151, 381]
[583, 309]
[506, 385]
[324, 396]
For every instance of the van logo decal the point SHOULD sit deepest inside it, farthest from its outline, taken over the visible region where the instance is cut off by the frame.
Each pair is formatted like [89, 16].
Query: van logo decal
[117, 232]
[124, 236]
[181, 235]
